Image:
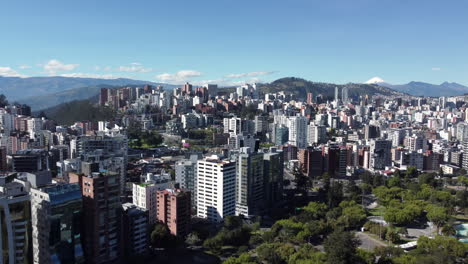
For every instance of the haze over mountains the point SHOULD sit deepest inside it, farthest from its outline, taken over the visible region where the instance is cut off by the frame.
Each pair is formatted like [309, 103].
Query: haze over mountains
[424, 89]
[45, 92]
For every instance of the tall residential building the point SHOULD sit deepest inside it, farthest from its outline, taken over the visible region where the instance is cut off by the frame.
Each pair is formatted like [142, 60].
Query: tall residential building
[310, 98]
[316, 134]
[261, 124]
[136, 231]
[31, 160]
[281, 135]
[298, 131]
[273, 172]
[101, 216]
[56, 224]
[15, 222]
[465, 155]
[337, 94]
[412, 159]
[311, 161]
[415, 143]
[144, 193]
[187, 88]
[370, 132]
[174, 210]
[111, 152]
[344, 94]
[215, 188]
[462, 132]
[212, 89]
[249, 183]
[380, 155]
[185, 173]
[3, 159]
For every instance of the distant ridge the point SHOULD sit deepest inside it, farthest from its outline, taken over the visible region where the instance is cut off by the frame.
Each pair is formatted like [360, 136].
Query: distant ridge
[427, 89]
[301, 87]
[16, 88]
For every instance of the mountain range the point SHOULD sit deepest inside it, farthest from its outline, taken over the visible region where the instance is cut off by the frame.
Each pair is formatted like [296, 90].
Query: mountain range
[424, 89]
[300, 87]
[45, 92]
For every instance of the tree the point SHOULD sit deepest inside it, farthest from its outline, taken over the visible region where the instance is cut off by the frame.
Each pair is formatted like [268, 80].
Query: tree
[448, 230]
[267, 252]
[463, 181]
[411, 172]
[307, 255]
[365, 256]
[392, 235]
[444, 249]
[193, 239]
[394, 182]
[352, 214]
[302, 182]
[340, 247]
[244, 258]
[438, 215]
[232, 222]
[314, 210]
[3, 101]
[335, 194]
[162, 238]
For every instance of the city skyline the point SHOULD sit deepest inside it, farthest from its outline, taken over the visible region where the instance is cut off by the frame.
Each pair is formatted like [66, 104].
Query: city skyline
[230, 43]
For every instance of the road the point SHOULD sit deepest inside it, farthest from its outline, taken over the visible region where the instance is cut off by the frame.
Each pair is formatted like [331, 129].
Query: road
[368, 242]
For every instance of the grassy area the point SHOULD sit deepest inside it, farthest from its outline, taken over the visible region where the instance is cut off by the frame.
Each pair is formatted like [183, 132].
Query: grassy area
[379, 211]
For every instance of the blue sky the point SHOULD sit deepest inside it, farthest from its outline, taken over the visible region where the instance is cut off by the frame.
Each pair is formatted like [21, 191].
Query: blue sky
[233, 41]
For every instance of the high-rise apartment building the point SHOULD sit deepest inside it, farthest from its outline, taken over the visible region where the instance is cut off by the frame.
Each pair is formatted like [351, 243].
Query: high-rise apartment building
[298, 131]
[281, 135]
[462, 132]
[215, 183]
[316, 134]
[31, 160]
[344, 94]
[56, 224]
[380, 154]
[111, 152]
[101, 216]
[249, 183]
[144, 196]
[311, 161]
[15, 222]
[185, 173]
[135, 231]
[174, 210]
[273, 175]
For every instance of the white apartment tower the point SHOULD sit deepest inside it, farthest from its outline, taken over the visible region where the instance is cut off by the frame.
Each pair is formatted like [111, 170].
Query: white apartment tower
[215, 183]
[316, 134]
[298, 131]
[144, 196]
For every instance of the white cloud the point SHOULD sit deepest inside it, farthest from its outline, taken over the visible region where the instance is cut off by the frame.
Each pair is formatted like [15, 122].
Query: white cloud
[91, 75]
[134, 68]
[248, 74]
[228, 82]
[436, 68]
[54, 66]
[9, 72]
[178, 77]
[135, 63]
[24, 67]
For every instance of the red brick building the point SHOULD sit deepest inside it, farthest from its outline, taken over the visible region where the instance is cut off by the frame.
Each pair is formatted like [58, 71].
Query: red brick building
[174, 210]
